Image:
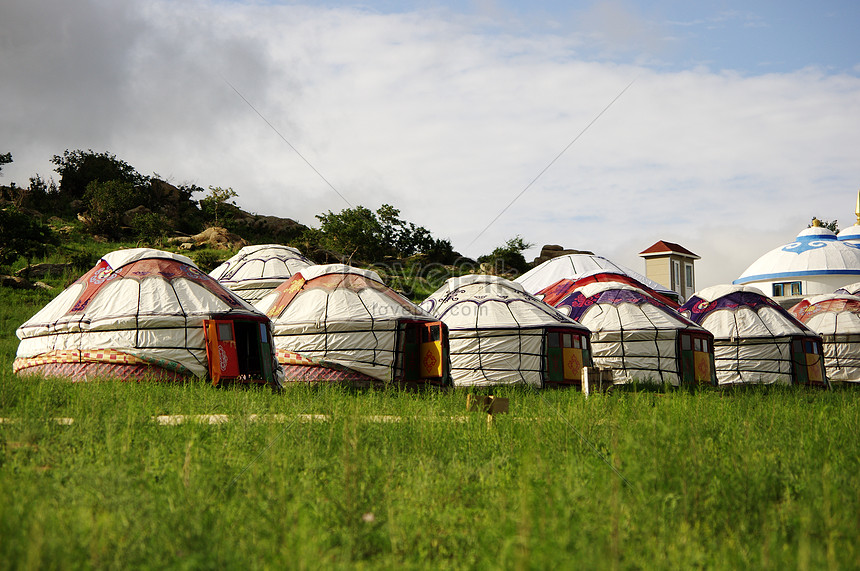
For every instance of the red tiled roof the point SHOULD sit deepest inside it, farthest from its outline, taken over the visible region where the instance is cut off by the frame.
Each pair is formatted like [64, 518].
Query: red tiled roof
[664, 247]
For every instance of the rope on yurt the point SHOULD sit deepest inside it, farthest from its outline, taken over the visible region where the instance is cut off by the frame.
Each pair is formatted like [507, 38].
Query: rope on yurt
[325, 326]
[779, 348]
[737, 348]
[372, 331]
[137, 316]
[835, 342]
[621, 338]
[519, 341]
[657, 345]
[205, 365]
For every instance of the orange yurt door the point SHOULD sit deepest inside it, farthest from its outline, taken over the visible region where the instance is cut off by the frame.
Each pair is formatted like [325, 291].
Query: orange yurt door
[221, 350]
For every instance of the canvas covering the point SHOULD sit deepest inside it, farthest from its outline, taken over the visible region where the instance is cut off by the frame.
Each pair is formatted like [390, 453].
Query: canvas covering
[632, 333]
[340, 315]
[752, 333]
[140, 302]
[575, 266]
[815, 251]
[256, 270]
[496, 330]
[836, 317]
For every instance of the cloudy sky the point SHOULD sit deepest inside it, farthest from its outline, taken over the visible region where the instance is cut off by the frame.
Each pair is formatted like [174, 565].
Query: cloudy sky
[601, 125]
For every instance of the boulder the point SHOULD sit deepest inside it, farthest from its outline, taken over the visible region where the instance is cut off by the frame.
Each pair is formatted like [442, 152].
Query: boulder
[550, 251]
[213, 237]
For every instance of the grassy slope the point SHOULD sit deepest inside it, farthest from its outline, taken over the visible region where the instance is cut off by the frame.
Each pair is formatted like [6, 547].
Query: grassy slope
[760, 478]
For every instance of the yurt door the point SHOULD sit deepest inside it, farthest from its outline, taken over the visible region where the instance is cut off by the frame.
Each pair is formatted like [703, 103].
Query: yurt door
[697, 359]
[807, 360]
[431, 350]
[221, 350]
[423, 356]
[566, 354]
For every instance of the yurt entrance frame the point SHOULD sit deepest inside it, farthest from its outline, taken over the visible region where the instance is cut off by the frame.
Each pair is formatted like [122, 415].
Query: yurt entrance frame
[422, 352]
[696, 355]
[239, 349]
[567, 352]
[807, 361]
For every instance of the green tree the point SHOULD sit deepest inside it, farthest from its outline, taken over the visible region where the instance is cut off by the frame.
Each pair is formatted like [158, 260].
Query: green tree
[22, 235]
[832, 225]
[150, 227]
[5, 160]
[107, 202]
[218, 200]
[371, 236]
[509, 256]
[77, 169]
[354, 232]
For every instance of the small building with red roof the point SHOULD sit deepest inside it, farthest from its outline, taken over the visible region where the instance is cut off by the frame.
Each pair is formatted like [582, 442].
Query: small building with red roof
[671, 265]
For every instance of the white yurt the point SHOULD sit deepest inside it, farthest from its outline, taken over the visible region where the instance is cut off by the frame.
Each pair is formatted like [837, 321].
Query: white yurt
[148, 313]
[501, 335]
[256, 270]
[339, 323]
[755, 339]
[816, 262]
[638, 337]
[850, 289]
[576, 266]
[836, 318]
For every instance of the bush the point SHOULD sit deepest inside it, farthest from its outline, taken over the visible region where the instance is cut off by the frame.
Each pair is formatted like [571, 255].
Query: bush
[22, 235]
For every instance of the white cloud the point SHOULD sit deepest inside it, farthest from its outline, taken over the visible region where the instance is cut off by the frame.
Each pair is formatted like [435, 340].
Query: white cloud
[441, 118]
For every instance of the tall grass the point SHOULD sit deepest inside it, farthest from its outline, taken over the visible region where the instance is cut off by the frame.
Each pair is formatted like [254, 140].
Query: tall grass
[763, 478]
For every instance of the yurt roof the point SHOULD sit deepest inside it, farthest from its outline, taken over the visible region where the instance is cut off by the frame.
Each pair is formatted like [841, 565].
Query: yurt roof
[634, 308]
[120, 258]
[260, 263]
[830, 314]
[741, 311]
[133, 290]
[562, 288]
[491, 302]
[850, 233]
[575, 266]
[851, 289]
[337, 293]
[85, 299]
[816, 251]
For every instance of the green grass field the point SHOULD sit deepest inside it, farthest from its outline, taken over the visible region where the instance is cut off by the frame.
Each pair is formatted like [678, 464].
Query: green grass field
[758, 478]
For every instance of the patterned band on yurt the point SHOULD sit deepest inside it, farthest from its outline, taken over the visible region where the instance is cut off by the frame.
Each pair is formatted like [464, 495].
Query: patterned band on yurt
[755, 339]
[562, 288]
[502, 335]
[636, 336]
[836, 318]
[256, 270]
[148, 313]
[340, 323]
[577, 266]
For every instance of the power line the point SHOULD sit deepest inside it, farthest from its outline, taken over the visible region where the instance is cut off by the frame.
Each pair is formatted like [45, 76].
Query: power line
[552, 162]
[284, 139]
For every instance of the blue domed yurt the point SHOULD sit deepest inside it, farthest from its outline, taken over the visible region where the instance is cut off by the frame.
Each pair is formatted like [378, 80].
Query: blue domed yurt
[756, 341]
[816, 262]
[836, 318]
[639, 338]
[501, 335]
